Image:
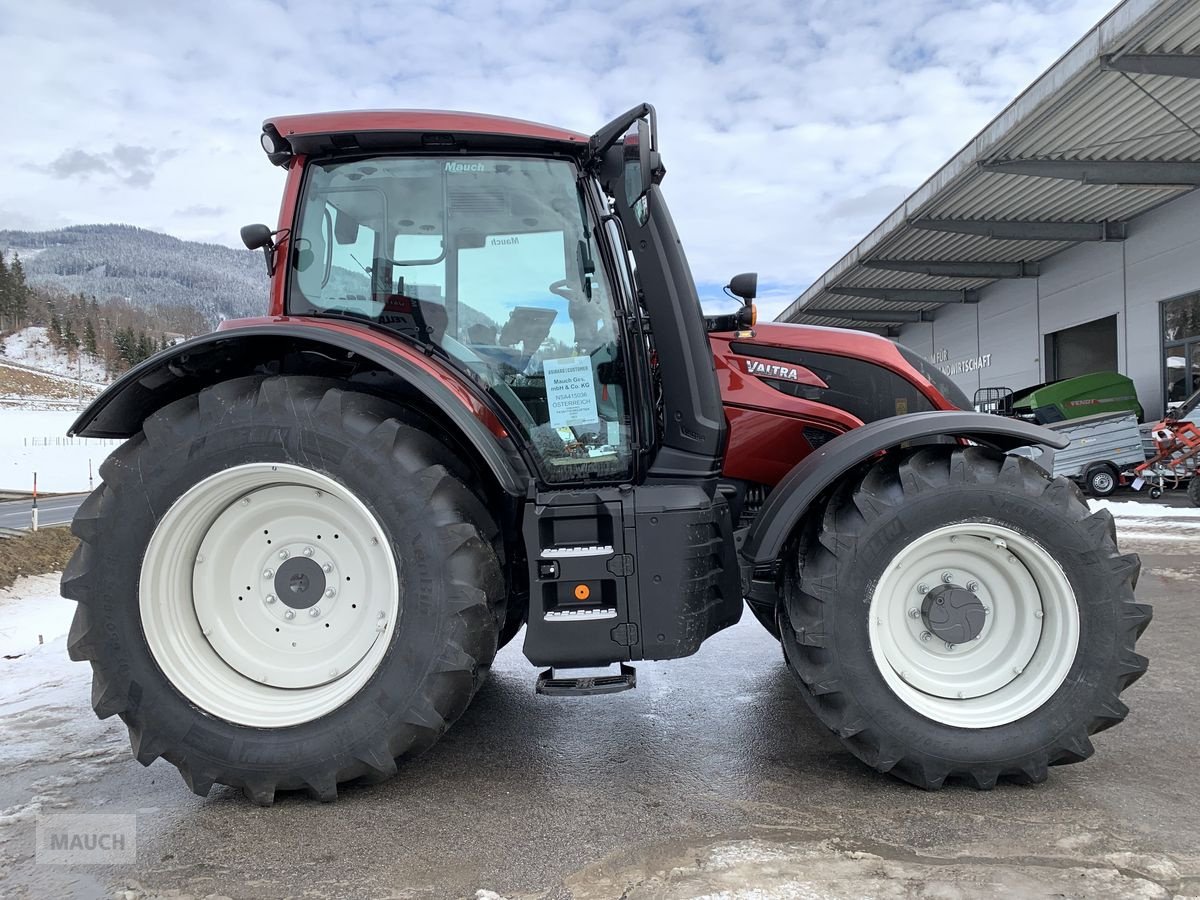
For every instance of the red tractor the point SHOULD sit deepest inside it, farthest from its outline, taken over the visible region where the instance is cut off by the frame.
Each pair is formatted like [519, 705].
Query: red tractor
[485, 397]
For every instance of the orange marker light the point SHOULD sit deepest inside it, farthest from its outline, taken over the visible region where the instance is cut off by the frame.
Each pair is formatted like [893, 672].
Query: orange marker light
[582, 592]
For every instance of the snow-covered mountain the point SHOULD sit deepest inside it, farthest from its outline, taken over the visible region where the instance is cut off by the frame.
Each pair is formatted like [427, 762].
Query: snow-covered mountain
[149, 268]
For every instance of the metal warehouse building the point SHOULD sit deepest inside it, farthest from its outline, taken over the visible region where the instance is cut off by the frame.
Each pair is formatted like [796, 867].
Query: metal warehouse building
[1065, 238]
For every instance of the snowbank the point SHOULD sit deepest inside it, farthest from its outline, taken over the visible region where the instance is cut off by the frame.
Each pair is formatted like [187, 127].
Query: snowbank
[31, 347]
[32, 613]
[35, 441]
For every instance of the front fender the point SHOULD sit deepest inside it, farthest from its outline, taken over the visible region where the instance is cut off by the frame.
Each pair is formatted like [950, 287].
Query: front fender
[245, 349]
[790, 499]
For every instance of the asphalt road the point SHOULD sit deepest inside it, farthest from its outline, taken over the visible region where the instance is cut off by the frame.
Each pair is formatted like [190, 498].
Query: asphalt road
[51, 511]
[710, 779]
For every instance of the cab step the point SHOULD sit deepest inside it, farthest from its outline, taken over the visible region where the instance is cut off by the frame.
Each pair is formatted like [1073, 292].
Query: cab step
[587, 685]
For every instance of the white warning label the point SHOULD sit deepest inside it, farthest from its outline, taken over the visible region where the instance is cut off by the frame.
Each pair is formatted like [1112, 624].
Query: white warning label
[570, 391]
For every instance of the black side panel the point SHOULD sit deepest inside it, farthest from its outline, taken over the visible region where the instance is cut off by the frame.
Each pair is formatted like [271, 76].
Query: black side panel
[693, 418]
[788, 501]
[617, 575]
[579, 604]
[188, 367]
[687, 571]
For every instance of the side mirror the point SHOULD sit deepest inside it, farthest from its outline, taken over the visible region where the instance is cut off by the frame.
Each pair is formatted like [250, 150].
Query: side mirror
[258, 237]
[744, 286]
[255, 237]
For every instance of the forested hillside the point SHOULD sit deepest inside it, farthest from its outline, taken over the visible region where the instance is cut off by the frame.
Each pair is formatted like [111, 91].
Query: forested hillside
[144, 267]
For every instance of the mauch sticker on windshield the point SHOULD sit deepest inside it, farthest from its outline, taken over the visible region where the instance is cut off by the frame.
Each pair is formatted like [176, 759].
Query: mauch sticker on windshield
[570, 391]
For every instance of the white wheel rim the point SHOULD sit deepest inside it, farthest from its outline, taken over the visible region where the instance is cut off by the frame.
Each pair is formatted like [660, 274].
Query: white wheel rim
[1102, 481]
[1021, 655]
[227, 593]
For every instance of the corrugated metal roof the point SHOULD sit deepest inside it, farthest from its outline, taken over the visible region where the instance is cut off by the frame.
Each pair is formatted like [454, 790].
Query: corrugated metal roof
[1078, 110]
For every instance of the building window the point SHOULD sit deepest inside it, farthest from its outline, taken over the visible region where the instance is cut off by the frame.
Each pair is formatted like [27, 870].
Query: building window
[1181, 347]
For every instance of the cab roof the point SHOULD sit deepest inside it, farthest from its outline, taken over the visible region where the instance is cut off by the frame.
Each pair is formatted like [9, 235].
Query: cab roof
[418, 129]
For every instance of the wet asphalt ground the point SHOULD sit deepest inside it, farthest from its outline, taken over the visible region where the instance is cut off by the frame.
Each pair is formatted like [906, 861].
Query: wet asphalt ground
[710, 779]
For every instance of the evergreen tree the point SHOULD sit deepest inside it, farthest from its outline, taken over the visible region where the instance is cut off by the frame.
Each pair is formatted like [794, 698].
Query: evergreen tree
[56, 333]
[18, 291]
[6, 297]
[69, 338]
[89, 338]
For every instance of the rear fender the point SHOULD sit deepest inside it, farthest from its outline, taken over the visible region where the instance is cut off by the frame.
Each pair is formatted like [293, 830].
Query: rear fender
[265, 345]
[790, 500]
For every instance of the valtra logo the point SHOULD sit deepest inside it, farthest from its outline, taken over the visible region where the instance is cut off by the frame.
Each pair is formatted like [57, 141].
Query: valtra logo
[770, 370]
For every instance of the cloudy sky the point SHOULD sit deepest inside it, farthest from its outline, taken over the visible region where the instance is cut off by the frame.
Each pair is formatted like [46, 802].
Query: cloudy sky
[789, 127]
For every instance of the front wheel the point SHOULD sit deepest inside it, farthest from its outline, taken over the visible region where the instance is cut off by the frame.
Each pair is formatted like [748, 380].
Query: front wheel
[282, 584]
[958, 613]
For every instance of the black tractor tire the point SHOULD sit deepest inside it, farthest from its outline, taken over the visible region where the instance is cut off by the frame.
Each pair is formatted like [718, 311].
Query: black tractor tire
[1101, 479]
[830, 578]
[441, 535]
[1193, 490]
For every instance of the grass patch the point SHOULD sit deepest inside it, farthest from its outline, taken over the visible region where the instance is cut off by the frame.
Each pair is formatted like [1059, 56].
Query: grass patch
[35, 553]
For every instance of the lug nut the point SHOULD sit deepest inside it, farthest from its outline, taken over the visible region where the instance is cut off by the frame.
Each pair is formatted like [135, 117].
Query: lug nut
[315, 611]
[374, 542]
[950, 646]
[283, 554]
[914, 613]
[327, 568]
[922, 588]
[268, 573]
[1038, 614]
[381, 615]
[290, 614]
[947, 578]
[987, 610]
[329, 592]
[245, 501]
[308, 551]
[269, 599]
[925, 636]
[972, 586]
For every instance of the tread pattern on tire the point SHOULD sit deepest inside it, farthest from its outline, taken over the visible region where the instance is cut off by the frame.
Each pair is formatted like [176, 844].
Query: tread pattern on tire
[811, 585]
[472, 575]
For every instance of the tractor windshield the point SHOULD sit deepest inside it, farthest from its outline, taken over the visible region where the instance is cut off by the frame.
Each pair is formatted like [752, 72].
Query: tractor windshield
[493, 260]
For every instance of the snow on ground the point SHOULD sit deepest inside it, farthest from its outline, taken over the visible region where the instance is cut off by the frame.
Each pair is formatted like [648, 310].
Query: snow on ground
[35, 441]
[32, 614]
[31, 347]
[1134, 509]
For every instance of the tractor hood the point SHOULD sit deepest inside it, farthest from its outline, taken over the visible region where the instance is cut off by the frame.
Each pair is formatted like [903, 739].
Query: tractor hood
[866, 374]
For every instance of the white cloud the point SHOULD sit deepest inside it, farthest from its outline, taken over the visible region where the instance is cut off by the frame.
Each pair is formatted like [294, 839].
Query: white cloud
[789, 129]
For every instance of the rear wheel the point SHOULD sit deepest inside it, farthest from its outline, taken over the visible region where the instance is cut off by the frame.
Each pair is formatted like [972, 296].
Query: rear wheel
[957, 613]
[282, 586]
[1193, 490]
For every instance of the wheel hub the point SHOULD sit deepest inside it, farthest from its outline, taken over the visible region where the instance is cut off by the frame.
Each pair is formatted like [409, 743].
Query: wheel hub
[953, 614]
[973, 624]
[300, 582]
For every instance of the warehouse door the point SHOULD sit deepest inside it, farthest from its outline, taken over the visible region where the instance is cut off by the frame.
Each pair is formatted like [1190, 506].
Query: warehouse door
[1082, 350]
